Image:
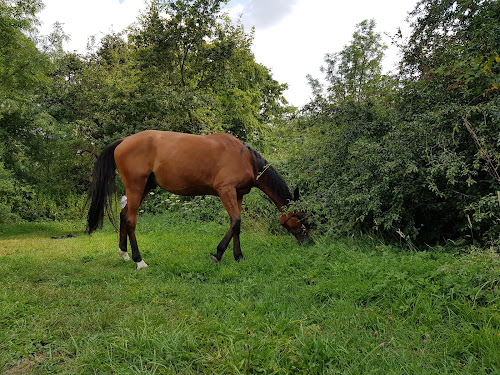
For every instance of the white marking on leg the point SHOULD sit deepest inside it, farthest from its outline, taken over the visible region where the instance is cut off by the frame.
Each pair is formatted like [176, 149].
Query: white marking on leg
[142, 264]
[124, 201]
[123, 254]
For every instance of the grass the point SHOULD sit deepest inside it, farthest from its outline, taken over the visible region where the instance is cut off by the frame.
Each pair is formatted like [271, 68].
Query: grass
[340, 306]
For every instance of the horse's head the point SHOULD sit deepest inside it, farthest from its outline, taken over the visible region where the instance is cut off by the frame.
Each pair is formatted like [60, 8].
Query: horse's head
[294, 222]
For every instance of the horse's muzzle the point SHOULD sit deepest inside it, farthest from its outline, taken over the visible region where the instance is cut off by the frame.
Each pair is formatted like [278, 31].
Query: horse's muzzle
[305, 241]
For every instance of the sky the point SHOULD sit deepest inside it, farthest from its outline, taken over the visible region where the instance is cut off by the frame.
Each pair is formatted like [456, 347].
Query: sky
[291, 36]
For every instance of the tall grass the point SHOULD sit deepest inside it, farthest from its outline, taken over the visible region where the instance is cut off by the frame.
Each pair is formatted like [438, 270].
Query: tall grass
[353, 307]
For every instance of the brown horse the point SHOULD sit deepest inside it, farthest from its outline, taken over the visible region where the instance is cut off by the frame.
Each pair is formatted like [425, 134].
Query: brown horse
[186, 164]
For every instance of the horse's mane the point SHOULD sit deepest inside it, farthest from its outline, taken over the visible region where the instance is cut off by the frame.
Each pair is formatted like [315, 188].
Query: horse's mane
[265, 174]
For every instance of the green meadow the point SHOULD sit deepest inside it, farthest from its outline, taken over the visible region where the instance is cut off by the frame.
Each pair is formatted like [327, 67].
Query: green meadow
[73, 306]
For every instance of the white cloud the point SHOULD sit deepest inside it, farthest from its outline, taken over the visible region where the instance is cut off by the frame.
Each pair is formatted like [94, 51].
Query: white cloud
[82, 19]
[266, 13]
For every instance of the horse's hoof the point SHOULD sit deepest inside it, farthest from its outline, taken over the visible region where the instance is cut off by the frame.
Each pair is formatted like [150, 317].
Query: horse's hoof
[239, 259]
[141, 265]
[123, 254]
[214, 259]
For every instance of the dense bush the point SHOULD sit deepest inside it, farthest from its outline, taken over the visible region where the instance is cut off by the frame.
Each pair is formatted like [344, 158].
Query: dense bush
[405, 179]
[419, 163]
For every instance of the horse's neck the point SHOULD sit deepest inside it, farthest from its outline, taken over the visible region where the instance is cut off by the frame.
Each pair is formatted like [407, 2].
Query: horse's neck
[278, 202]
[280, 196]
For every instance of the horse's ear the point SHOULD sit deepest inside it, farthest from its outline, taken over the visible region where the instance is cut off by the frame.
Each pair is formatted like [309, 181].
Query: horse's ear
[296, 194]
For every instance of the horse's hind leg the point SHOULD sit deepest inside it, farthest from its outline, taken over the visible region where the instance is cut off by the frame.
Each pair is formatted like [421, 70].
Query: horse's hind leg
[128, 217]
[134, 200]
[124, 227]
[122, 249]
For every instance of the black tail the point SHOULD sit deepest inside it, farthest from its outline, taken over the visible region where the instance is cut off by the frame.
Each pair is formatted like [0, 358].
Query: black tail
[102, 188]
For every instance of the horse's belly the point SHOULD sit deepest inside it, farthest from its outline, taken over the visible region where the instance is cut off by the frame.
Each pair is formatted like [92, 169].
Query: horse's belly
[190, 190]
[179, 182]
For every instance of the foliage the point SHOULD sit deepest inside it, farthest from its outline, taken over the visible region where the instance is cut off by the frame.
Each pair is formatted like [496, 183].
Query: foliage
[415, 160]
[355, 73]
[74, 305]
[413, 157]
[22, 66]
[183, 67]
[457, 73]
[353, 171]
[193, 209]
[23, 71]
[167, 74]
[258, 210]
[7, 190]
[457, 42]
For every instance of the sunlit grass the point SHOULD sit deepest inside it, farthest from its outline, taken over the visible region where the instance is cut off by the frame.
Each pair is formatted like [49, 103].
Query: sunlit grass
[74, 306]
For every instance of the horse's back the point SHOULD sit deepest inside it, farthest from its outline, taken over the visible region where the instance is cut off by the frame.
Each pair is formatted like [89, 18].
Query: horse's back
[186, 164]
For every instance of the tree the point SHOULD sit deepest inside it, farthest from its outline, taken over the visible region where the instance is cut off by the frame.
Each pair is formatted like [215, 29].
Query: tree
[456, 40]
[22, 66]
[183, 67]
[421, 163]
[355, 73]
[23, 70]
[204, 70]
[36, 154]
[344, 162]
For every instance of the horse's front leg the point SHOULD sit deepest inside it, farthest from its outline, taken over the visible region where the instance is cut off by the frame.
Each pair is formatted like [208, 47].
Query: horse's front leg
[233, 207]
[222, 246]
[238, 255]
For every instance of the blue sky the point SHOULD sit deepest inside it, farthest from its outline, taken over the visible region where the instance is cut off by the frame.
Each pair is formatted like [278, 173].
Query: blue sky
[291, 36]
